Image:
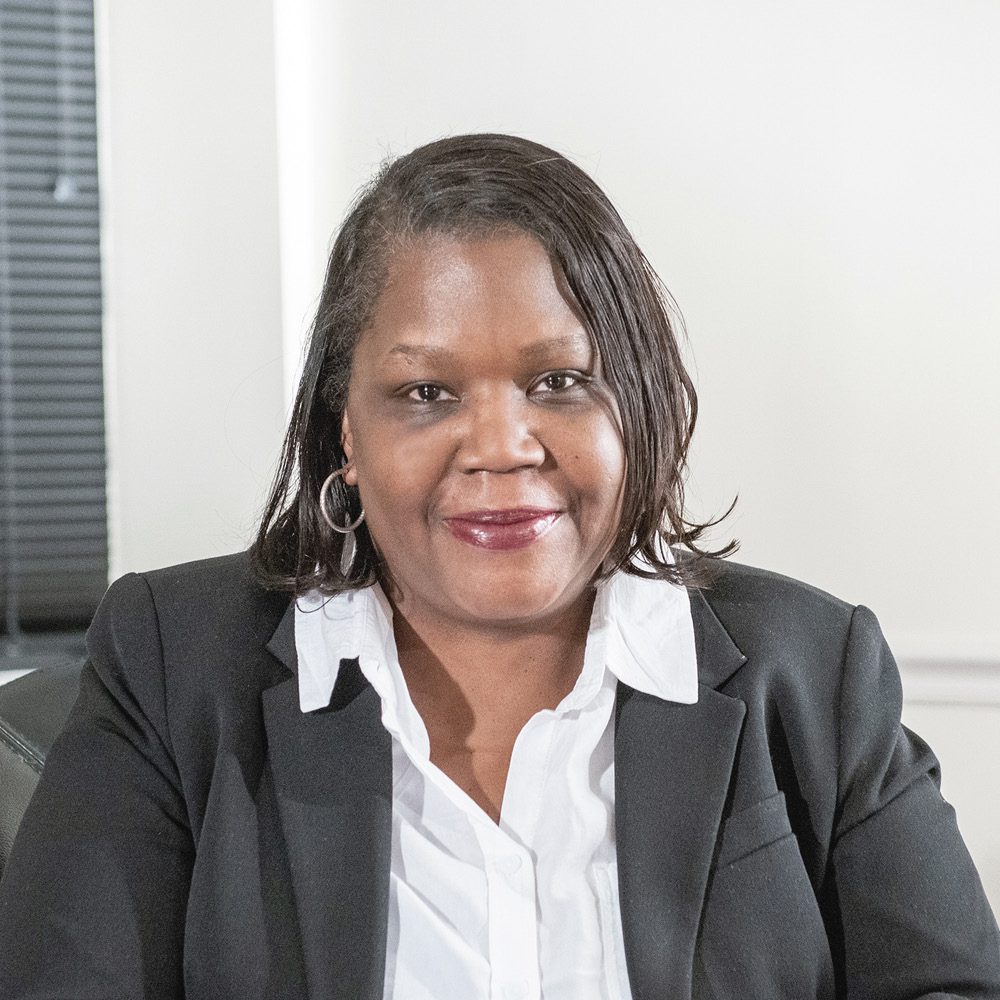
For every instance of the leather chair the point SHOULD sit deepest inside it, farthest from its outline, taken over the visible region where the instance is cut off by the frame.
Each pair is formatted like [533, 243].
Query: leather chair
[33, 710]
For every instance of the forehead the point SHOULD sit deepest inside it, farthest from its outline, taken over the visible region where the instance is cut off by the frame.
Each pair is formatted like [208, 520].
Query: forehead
[501, 293]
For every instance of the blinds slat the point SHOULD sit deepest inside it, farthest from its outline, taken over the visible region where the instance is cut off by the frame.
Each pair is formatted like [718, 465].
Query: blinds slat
[66, 375]
[39, 601]
[54, 426]
[57, 130]
[62, 109]
[68, 463]
[51, 161]
[53, 7]
[59, 214]
[31, 534]
[51, 99]
[57, 341]
[62, 414]
[92, 549]
[53, 304]
[49, 56]
[84, 569]
[85, 409]
[50, 251]
[32, 321]
[77, 513]
[35, 18]
[22, 426]
[41, 180]
[39, 582]
[42, 391]
[56, 35]
[37, 255]
[76, 576]
[68, 146]
[43, 478]
[24, 198]
[40, 498]
[67, 75]
[21, 268]
[70, 443]
[54, 290]
[62, 607]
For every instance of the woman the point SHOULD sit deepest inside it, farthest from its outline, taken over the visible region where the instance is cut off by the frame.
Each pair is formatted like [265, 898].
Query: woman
[503, 743]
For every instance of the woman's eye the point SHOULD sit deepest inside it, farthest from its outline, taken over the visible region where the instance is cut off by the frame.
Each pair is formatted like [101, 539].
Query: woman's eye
[426, 392]
[558, 382]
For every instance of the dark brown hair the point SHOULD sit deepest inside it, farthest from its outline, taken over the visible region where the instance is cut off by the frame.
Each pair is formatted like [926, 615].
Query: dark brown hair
[474, 185]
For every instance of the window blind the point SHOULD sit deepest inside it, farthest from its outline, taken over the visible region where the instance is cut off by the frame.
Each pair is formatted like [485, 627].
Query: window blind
[53, 521]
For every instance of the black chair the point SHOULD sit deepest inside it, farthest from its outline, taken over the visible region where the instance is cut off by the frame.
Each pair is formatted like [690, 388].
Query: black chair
[33, 709]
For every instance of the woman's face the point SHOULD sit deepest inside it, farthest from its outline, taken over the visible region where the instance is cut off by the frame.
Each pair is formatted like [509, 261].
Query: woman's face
[483, 440]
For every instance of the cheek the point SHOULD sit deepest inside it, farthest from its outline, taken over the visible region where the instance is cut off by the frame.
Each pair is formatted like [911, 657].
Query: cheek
[607, 451]
[599, 473]
[396, 480]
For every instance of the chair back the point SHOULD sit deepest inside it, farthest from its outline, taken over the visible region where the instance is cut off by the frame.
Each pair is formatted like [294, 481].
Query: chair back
[33, 711]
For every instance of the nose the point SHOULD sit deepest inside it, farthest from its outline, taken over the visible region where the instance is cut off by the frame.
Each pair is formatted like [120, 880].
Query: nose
[498, 434]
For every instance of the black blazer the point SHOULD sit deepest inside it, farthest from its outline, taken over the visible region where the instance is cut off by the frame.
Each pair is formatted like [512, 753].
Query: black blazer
[195, 834]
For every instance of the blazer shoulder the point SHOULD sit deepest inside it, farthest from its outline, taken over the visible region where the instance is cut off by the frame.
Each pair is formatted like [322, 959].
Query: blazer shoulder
[201, 575]
[206, 618]
[216, 595]
[768, 612]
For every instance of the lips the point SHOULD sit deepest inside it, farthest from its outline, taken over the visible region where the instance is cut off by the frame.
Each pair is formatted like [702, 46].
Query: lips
[509, 528]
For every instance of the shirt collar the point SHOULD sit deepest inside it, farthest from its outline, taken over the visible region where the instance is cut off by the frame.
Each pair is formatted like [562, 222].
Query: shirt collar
[642, 629]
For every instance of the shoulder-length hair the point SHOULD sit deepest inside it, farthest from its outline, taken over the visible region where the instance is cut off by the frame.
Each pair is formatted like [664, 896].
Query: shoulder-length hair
[472, 186]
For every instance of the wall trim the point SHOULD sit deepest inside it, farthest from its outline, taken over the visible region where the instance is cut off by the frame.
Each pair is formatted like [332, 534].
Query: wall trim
[944, 681]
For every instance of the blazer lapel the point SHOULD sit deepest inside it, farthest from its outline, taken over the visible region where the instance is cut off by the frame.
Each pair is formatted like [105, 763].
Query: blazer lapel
[332, 773]
[672, 771]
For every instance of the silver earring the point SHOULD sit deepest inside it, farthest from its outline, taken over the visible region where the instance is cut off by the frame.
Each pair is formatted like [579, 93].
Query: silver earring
[350, 546]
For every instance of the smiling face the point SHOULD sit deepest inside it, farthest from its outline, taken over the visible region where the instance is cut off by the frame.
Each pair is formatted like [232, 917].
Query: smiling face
[482, 438]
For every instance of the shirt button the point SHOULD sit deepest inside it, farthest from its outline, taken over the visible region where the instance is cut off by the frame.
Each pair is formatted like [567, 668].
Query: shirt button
[515, 991]
[509, 865]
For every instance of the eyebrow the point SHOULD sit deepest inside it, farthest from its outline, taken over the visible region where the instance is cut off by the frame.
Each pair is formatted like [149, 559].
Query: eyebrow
[532, 352]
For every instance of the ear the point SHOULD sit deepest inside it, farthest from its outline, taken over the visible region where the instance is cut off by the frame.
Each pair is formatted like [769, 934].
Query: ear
[347, 443]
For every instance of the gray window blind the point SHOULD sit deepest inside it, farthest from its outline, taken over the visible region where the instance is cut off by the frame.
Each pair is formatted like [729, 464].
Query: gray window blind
[53, 523]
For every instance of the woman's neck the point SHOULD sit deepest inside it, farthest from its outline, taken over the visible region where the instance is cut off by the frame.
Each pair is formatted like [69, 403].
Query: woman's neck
[476, 688]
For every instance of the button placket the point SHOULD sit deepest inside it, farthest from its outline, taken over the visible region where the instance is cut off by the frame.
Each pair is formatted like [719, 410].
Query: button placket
[508, 864]
[512, 918]
[515, 991]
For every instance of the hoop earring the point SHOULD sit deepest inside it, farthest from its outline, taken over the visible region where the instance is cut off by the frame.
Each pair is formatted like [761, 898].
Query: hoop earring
[350, 546]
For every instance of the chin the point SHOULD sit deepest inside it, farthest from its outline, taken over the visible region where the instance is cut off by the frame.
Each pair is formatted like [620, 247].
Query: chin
[515, 602]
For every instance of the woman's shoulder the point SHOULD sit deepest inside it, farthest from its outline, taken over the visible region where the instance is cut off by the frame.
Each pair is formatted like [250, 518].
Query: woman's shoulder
[773, 616]
[737, 585]
[199, 617]
[203, 593]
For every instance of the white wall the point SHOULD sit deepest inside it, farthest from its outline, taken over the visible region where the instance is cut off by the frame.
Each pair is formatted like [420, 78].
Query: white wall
[191, 274]
[817, 184]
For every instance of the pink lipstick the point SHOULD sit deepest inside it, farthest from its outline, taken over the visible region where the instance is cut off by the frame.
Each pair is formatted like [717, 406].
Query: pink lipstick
[511, 528]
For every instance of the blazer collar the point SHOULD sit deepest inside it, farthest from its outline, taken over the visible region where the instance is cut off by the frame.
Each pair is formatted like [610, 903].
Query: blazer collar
[717, 654]
[281, 645]
[672, 772]
[332, 776]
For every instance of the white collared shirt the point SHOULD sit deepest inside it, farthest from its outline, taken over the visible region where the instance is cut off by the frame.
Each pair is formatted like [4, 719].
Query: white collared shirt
[526, 909]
